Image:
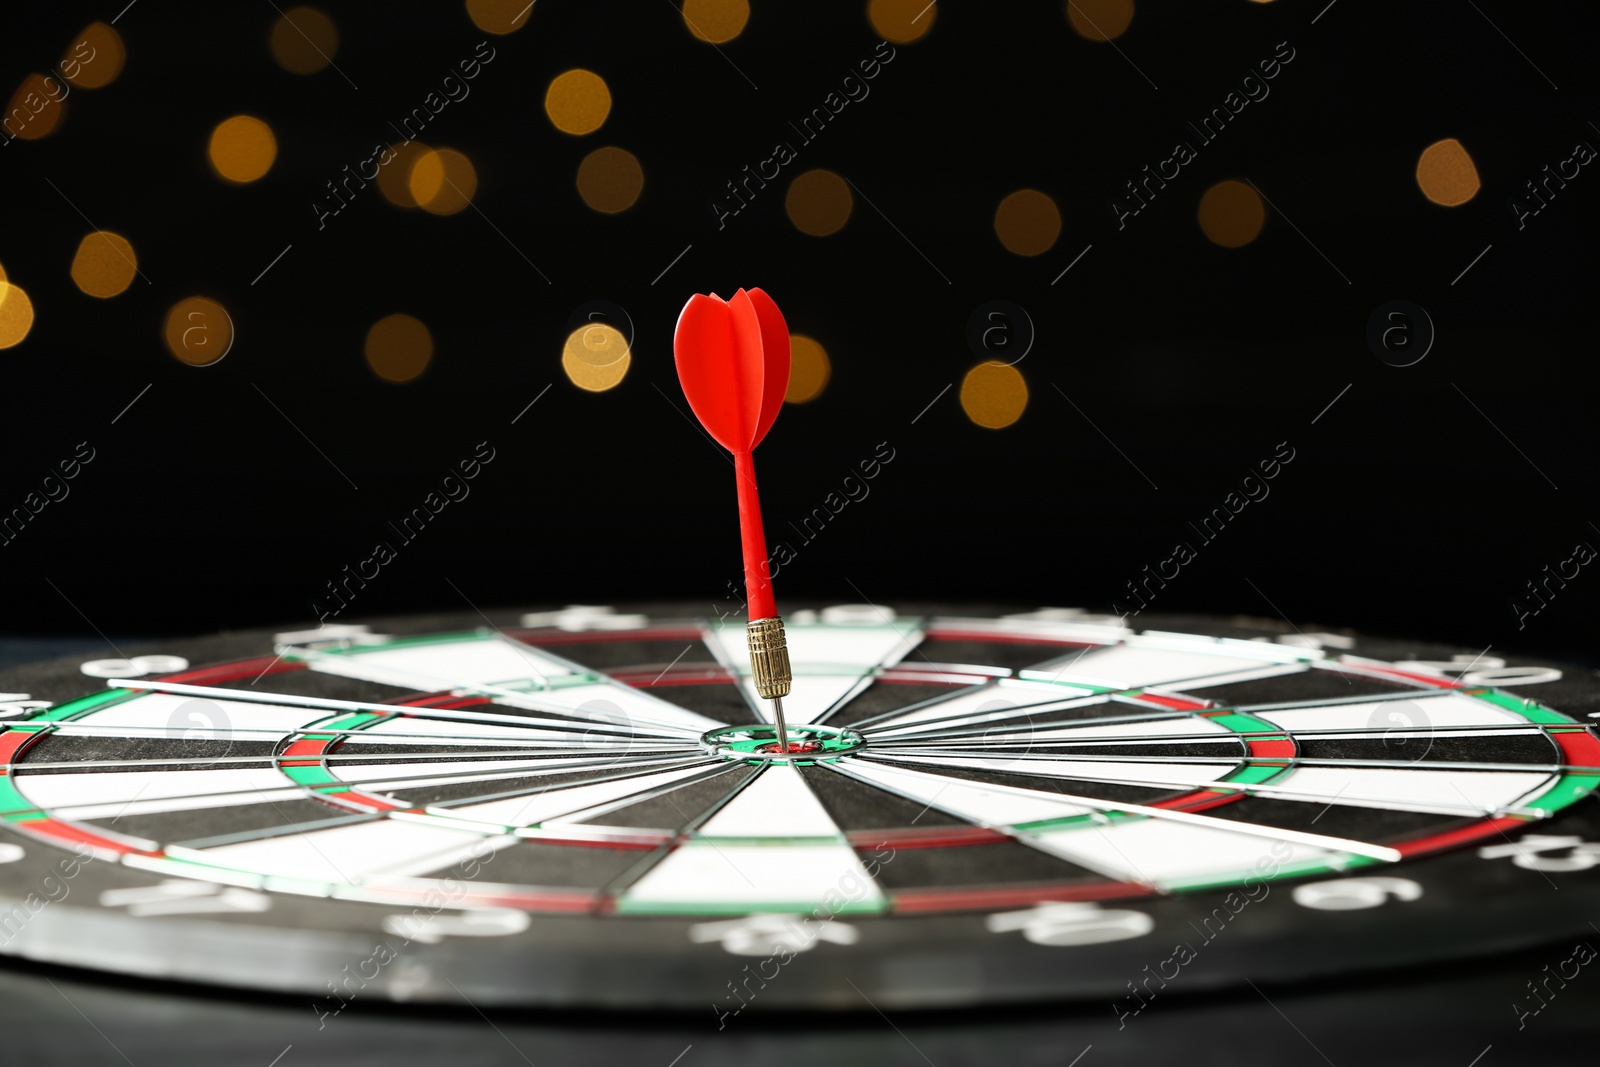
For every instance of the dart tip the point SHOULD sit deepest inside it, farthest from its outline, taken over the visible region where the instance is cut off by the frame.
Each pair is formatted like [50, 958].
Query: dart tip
[777, 718]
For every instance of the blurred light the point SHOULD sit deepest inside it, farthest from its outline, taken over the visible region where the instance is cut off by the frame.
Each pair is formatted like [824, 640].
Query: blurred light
[818, 202]
[394, 177]
[36, 109]
[1232, 214]
[809, 369]
[993, 394]
[304, 40]
[717, 21]
[105, 264]
[1446, 174]
[95, 58]
[242, 149]
[610, 180]
[1100, 20]
[596, 357]
[198, 331]
[443, 182]
[399, 347]
[1027, 222]
[16, 313]
[901, 21]
[499, 16]
[578, 101]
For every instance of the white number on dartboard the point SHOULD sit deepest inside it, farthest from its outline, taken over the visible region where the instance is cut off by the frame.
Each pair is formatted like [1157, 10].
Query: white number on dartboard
[15, 704]
[137, 667]
[1353, 894]
[1539, 852]
[1067, 924]
[178, 896]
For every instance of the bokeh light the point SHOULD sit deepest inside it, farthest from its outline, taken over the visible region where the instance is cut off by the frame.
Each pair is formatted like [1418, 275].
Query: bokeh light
[304, 40]
[610, 180]
[818, 202]
[716, 21]
[902, 21]
[198, 331]
[398, 348]
[1232, 214]
[16, 313]
[1446, 174]
[578, 101]
[596, 357]
[394, 177]
[1100, 20]
[105, 264]
[1027, 222]
[95, 57]
[443, 181]
[499, 16]
[242, 149]
[37, 108]
[809, 369]
[994, 394]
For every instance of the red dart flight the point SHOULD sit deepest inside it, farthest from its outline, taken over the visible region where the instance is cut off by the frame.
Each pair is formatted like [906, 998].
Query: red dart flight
[733, 363]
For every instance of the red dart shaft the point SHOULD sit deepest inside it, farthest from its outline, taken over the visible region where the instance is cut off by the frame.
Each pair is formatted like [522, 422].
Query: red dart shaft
[753, 539]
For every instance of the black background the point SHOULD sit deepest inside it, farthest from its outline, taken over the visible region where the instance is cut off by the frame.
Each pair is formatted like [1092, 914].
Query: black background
[1405, 511]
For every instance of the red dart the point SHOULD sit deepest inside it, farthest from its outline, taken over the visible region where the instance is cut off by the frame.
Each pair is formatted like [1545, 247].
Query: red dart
[733, 363]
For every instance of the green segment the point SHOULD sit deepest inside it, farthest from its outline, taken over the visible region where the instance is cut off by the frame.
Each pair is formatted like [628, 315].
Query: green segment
[91, 702]
[1531, 710]
[1224, 881]
[11, 801]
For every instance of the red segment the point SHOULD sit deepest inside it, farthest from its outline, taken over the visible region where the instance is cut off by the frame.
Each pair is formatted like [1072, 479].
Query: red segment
[1276, 748]
[306, 747]
[232, 672]
[1580, 748]
[57, 832]
[1385, 671]
[1172, 703]
[692, 674]
[12, 742]
[1200, 801]
[1452, 838]
[984, 899]
[933, 837]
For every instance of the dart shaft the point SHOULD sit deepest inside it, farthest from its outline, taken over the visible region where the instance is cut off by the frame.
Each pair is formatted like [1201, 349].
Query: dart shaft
[753, 540]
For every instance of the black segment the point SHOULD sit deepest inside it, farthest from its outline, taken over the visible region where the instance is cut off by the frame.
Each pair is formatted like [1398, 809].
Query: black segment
[54, 748]
[679, 806]
[1531, 747]
[854, 805]
[613, 653]
[245, 815]
[723, 701]
[314, 683]
[539, 863]
[1372, 825]
[881, 697]
[1012, 655]
[464, 792]
[1310, 684]
[992, 863]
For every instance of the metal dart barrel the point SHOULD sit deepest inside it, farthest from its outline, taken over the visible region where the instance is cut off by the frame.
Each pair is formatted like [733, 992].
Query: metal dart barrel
[769, 663]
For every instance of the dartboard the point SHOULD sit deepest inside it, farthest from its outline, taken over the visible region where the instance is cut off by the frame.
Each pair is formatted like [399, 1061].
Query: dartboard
[586, 806]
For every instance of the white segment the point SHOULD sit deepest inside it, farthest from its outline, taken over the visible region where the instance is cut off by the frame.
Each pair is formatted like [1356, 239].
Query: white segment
[1407, 789]
[1154, 774]
[156, 807]
[1159, 852]
[153, 713]
[544, 806]
[777, 804]
[343, 855]
[1450, 709]
[50, 791]
[504, 669]
[828, 662]
[970, 800]
[1139, 665]
[1185, 726]
[414, 774]
[1001, 700]
[755, 878]
[487, 658]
